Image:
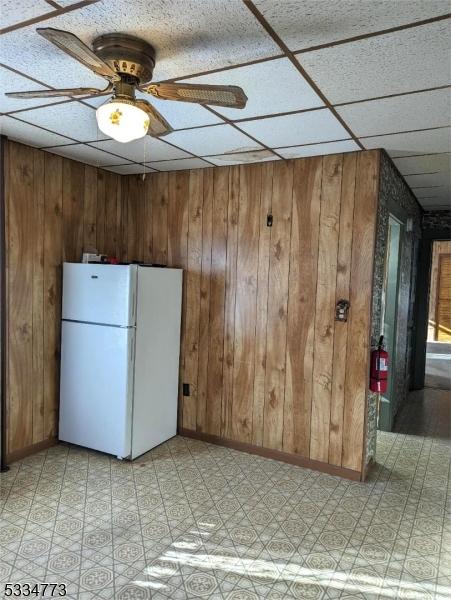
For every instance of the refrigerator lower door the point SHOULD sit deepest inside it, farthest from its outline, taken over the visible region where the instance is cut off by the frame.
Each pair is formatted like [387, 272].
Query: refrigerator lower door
[96, 375]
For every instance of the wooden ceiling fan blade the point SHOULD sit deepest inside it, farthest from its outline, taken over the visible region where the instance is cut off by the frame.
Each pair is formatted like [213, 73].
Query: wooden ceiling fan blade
[158, 126]
[230, 96]
[75, 92]
[72, 45]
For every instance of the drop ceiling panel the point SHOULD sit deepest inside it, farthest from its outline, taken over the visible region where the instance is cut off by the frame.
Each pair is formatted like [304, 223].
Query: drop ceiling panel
[182, 114]
[430, 163]
[130, 169]
[28, 52]
[306, 23]
[86, 154]
[142, 150]
[432, 203]
[65, 3]
[291, 130]
[218, 139]
[435, 186]
[318, 149]
[179, 165]
[193, 36]
[12, 82]
[188, 36]
[28, 134]
[427, 180]
[442, 194]
[416, 142]
[242, 158]
[404, 61]
[401, 113]
[271, 87]
[71, 119]
[14, 11]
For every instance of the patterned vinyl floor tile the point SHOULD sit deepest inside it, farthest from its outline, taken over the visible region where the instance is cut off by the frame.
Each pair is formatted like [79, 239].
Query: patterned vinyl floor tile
[193, 520]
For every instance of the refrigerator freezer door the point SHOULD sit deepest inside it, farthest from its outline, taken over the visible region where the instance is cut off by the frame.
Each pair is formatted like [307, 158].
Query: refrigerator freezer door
[99, 293]
[96, 375]
[157, 357]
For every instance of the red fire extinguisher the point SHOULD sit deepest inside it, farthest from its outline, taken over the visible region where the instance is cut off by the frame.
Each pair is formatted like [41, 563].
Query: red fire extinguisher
[379, 368]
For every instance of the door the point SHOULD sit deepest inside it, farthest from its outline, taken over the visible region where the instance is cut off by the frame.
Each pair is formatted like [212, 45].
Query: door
[95, 405]
[390, 310]
[99, 293]
[443, 305]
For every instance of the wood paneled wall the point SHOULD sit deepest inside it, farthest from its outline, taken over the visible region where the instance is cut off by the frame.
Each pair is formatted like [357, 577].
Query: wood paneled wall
[54, 208]
[438, 248]
[267, 364]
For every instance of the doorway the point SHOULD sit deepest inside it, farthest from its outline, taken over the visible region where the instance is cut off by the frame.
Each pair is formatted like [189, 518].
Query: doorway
[390, 297]
[438, 345]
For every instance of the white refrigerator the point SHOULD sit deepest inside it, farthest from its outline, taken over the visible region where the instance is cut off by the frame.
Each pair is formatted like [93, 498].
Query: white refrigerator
[119, 357]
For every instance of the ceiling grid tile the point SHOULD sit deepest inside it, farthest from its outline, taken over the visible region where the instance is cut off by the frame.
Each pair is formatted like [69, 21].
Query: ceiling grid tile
[320, 78]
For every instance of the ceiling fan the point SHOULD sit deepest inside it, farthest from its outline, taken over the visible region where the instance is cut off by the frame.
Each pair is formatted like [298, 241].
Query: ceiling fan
[127, 63]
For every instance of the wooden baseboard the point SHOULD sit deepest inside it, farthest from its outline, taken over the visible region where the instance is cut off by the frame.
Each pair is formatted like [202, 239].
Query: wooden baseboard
[286, 457]
[29, 450]
[293, 459]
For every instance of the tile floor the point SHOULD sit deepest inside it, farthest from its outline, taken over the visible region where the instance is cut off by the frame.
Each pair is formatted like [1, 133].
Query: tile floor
[192, 520]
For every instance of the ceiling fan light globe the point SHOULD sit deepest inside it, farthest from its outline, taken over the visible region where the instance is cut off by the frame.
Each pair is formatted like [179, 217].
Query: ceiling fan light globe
[123, 121]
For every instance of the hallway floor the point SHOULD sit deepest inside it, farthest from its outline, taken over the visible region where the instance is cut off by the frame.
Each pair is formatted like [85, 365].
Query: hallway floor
[438, 365]
[192, 520]
[426, 413]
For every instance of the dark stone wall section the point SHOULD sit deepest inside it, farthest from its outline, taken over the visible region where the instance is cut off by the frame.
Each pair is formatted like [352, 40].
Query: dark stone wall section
[437, 219]
[395, 197]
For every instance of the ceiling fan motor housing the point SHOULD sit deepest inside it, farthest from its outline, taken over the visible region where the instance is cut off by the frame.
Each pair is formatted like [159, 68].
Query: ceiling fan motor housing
[129, 56]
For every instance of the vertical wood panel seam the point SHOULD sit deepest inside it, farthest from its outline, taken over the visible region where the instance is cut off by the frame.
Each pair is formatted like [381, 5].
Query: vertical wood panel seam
[40, 255]
[365, 417]
[209, 279]
[351, 288]
[336, 299]
[316, 294]
[215, 235]
[267, 304]
[288, 301]
[336, 277]
[167, 215]
[224, 358]
[33, 271]
[255, 308]
[349, 292]
[201, 180]
[243, 252]
[334, 202]
[256, 319]
[230, 409]
[207, 341]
